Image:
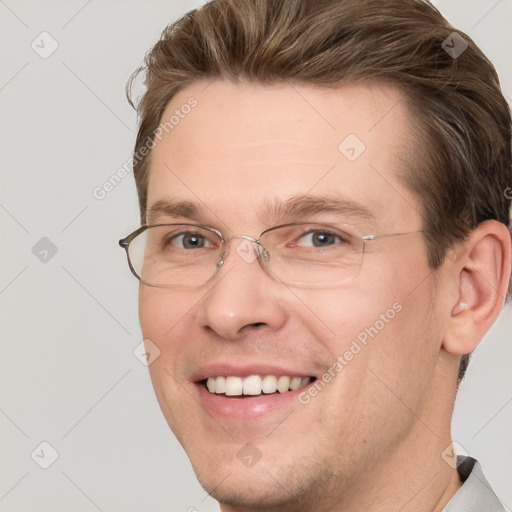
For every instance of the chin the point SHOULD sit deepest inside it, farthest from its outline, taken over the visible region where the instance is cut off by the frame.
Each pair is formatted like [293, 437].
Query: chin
[277, 481]
[261, 487]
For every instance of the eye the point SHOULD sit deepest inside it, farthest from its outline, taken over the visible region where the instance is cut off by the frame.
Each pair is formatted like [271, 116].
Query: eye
[190, 241]
[319, 239]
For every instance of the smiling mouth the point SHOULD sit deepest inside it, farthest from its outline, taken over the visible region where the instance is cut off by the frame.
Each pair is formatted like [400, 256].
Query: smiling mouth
[254, 385]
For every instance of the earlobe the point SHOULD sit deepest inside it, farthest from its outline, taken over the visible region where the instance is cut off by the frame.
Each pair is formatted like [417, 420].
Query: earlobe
[483, 275]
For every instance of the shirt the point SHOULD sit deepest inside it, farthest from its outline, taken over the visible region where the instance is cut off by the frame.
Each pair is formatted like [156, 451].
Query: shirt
[476, 494]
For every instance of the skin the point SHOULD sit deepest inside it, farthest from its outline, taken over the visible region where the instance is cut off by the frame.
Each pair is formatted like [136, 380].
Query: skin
[372, 438]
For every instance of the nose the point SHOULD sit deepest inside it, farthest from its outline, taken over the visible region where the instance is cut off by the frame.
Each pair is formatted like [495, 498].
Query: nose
[242, 296]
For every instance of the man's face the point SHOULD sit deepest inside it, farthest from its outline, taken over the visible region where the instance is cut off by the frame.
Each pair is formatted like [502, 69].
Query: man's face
[240, 149]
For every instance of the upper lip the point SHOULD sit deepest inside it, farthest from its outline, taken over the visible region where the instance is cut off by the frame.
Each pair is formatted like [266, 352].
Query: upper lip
[225, 370]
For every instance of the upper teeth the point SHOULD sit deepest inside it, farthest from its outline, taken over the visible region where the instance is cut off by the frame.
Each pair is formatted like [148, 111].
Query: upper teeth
[254, 384]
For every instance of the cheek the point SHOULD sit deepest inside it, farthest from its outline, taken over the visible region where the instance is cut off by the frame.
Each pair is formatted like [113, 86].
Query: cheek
[380, 327]
[165, 318]
[162, 313]
[153, 309]
[405, 351]
[338, 316]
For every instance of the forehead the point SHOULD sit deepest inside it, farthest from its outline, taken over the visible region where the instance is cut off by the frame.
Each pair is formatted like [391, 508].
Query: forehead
[244, 145]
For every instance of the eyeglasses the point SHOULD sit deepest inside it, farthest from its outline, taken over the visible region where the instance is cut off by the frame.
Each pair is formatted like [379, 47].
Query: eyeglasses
[298, 254]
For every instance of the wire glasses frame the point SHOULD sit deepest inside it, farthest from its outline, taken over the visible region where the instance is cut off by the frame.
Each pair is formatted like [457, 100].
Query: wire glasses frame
[157, 255]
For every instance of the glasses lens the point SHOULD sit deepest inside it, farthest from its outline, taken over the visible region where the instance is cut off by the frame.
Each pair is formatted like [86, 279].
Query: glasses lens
[175, 255]
[313, 254]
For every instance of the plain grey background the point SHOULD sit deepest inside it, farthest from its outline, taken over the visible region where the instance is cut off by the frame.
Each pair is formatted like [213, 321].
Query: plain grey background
[68, 303]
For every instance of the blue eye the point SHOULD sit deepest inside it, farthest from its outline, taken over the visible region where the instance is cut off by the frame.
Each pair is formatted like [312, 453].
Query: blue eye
[190, 241]
[319, 239]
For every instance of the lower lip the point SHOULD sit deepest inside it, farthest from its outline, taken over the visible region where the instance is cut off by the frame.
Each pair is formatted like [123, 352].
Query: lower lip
[248, 408]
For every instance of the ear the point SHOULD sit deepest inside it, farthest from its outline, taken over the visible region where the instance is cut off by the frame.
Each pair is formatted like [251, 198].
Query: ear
[482, 271]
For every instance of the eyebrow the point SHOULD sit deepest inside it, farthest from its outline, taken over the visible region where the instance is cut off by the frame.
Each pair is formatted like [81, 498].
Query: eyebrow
[273, 211]
[308, 205]
[175, 209]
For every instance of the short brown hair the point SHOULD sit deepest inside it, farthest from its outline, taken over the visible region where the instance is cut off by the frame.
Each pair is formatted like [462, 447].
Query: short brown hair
[462, 156]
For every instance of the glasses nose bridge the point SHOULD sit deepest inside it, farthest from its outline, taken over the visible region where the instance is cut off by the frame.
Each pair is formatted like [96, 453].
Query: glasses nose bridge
[226, 241]
[245, 237]
[260, 249]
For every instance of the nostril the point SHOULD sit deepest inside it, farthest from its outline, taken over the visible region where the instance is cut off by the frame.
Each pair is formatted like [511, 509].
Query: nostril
[255, 325]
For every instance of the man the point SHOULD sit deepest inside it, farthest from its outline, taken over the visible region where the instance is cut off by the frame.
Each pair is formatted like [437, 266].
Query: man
[325, 185]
